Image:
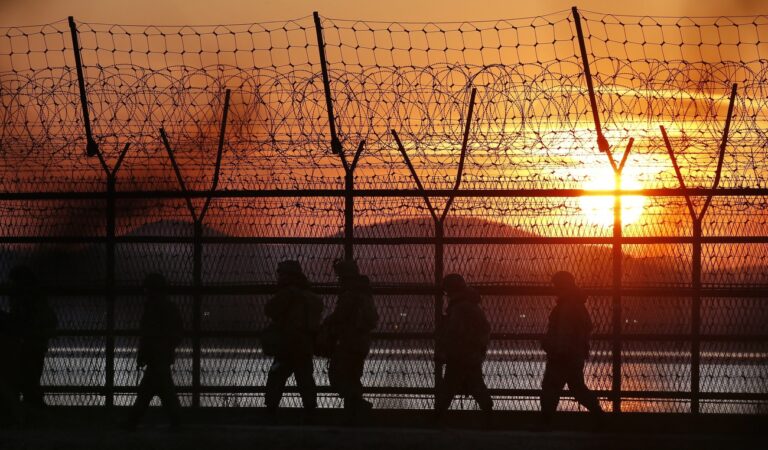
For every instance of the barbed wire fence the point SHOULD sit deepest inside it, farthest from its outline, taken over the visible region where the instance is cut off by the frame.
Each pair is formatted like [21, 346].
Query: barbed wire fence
[491, 148]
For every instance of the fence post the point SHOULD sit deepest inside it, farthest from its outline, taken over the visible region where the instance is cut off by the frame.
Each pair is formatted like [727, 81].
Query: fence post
[616, 302]
[197, 252]
[617, 256]
[92, 149]
[109, 285]
[439, 268]
[696, 315]
[349, 200]
[697, 219]
[439, 222]
[349, 214]
[197, 281]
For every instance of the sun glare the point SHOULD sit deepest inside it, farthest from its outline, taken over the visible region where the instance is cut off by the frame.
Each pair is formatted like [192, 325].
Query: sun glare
[599, 209]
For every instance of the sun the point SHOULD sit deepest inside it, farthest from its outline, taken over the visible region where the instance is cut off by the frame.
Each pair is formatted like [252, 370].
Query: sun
[599, 209]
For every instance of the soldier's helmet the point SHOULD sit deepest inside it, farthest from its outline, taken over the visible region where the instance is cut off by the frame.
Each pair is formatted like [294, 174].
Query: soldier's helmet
[155, 283]
[453, 282]
[563, 280]
[346, 268]
[289, 267]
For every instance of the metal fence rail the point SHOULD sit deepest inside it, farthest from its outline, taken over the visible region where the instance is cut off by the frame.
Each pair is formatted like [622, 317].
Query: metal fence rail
[242, 333]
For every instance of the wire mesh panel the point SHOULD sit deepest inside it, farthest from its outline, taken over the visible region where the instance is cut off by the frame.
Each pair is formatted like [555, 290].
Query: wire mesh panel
[492, 148]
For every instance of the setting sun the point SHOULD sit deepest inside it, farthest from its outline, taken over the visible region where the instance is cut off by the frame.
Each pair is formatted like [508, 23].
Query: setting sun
[599, 209]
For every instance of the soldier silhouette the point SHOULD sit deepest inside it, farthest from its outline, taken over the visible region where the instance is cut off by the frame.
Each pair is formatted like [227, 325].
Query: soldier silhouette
[462, 345]
[33, 322]
[9, 393]
[161, 330]
[351, 324]
[295, 312]
[566, 344]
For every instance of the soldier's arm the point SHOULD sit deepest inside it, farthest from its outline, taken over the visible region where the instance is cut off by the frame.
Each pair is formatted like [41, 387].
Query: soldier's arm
[275, 307]
[562, 329]
[586, 321]
[342, 313]
[454, 322]
[318, 310]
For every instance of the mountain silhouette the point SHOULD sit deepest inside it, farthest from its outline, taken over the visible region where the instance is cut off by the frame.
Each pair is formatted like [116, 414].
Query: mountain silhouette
[249, 263]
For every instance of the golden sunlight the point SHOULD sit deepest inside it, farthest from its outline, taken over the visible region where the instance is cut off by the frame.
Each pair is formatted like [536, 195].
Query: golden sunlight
[599, 209]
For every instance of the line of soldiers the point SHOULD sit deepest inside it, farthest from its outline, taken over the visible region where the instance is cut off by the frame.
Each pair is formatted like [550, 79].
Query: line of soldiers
[297, 333]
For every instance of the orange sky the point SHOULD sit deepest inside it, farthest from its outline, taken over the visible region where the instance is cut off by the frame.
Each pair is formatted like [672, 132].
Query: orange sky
[24, 12]
[15, 12]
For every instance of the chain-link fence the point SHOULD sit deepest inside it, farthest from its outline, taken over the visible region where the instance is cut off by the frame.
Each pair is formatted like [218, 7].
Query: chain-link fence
[629, 150]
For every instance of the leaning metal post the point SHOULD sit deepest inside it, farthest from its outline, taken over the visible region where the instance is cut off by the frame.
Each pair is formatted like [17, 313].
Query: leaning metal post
[602, 142]
[336, 148]
[335, 143]
[91, 147]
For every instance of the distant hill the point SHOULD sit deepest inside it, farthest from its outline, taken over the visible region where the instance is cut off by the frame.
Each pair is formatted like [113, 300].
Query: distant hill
[385, 264]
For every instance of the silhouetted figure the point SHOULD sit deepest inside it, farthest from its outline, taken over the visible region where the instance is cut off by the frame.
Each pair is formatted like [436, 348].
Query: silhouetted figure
[351, 324]
[462, 345]
[161, 331]
[567, 347]
[33, 323]
[295, 312]
[10, 407]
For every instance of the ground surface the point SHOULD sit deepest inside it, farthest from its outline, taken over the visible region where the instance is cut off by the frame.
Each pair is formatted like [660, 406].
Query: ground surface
[393, 430]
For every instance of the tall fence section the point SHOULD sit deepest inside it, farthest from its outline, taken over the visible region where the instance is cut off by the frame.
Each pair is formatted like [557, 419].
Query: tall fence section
[629, 150]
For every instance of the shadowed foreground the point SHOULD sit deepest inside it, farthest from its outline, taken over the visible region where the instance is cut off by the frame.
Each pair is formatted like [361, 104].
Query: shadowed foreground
[235, 429]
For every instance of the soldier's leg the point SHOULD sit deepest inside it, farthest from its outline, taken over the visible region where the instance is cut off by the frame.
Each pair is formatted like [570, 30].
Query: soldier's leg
[478, 389]
[9, 401]
[452, 382]
[279, 373]
[146, 391]
[167, 393]
[336, 373]
[33, 365]
[305, 380]
[579, 389]
[354, 386]
[551, 387]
